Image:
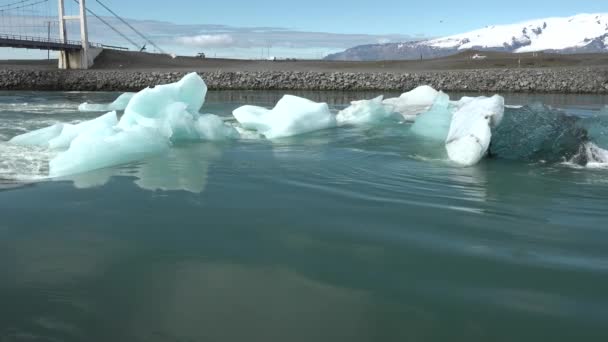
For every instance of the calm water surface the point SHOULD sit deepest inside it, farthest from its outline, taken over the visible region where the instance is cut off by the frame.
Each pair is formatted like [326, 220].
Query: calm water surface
[350, 234]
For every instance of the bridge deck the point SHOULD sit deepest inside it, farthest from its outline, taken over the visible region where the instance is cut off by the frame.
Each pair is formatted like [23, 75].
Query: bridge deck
[28, 42]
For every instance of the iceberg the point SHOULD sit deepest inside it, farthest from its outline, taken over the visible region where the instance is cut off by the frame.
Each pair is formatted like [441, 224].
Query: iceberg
[291, 116]
[163, 101]
[70, 132]
[366, 112]
[39, 137]
[96, 149]
[538, 133]
[435, 123]
[119, 104]
[470, 131]
[414, 102]
[153, 120]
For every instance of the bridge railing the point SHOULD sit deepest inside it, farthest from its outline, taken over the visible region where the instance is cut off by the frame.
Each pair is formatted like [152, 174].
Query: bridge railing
[47, 40]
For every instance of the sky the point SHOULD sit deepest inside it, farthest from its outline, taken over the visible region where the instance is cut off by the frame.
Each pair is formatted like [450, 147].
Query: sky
[302, 29]
[357, 16]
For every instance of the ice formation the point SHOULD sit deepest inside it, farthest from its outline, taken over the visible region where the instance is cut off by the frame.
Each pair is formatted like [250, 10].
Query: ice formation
[414, 102]
[291, 116]
[470, 130]
[119, 104]
[154, 118]
[366, 112]
[435, 123]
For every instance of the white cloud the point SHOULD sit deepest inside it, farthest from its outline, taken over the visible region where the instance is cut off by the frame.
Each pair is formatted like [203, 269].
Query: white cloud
[207, 40]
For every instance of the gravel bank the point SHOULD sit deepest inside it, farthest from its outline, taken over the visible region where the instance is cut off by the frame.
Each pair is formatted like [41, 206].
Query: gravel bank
[558, 80]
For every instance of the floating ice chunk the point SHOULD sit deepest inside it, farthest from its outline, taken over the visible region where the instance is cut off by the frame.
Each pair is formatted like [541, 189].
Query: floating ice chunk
[365, 112]
[159, 102]
[537, 133]
[106, 147]
[39, 137]
[470, 133]
[435, 123]
[211, 127]
[414, 102]
[60, 136]
[496, 108]
[252, 117]
[291, 116]
[119, 104]
[70, 132]
[596, 157]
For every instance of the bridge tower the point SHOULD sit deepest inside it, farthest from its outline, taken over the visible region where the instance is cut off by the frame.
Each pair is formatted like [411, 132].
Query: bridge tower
[84, 58]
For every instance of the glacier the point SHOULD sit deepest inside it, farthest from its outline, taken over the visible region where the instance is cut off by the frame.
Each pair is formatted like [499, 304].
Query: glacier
[118, 105]
[292, 115]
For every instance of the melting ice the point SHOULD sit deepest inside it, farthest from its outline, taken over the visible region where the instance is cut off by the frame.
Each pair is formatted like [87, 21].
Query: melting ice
[156, 118]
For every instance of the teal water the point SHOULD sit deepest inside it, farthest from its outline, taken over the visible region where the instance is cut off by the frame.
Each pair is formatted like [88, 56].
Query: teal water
[347, 234]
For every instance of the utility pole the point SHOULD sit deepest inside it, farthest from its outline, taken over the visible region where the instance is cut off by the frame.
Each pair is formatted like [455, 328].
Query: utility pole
[48, 39]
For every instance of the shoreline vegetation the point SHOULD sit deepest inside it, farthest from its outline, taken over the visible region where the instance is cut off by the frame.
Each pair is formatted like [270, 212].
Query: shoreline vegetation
[499, 72]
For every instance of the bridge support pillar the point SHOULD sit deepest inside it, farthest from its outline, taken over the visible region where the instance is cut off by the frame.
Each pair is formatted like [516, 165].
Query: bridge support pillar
[84, 58]
[78, 59]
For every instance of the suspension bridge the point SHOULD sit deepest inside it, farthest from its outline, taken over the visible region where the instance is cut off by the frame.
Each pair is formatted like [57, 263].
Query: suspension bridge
[62, 25]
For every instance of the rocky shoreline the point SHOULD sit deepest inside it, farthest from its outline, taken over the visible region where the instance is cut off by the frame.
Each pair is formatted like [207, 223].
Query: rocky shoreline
[559, 80]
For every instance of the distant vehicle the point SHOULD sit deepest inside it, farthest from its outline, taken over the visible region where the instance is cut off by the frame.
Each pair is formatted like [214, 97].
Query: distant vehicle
[271, 58]
[478, 56]
[201, 55]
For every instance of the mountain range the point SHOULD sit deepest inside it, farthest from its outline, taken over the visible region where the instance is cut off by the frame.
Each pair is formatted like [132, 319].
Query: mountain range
[582, 33]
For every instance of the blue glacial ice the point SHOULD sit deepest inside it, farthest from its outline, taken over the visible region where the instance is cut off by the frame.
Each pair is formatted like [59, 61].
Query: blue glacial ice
[119, 104]
[435, 123]
[154, 119]
[39, 137]
[291, 116]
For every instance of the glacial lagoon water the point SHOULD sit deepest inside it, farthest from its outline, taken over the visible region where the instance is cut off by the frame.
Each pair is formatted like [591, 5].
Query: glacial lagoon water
[357, 233]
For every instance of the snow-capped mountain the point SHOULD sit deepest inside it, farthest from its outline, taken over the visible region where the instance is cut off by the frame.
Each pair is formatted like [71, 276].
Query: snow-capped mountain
[579, 33]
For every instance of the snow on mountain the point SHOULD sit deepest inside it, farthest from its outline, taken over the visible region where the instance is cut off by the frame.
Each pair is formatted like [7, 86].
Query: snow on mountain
[579, 33]
[535, 35]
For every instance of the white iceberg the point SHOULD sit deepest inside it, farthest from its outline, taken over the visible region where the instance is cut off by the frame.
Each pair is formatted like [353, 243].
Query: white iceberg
[366, 112]
[119, 104]
[414, 102]
[291, 116]
[470, 130]
[435, 123]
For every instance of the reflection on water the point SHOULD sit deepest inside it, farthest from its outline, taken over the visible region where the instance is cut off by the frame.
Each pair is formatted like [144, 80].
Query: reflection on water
[356, 234]
[180, 168]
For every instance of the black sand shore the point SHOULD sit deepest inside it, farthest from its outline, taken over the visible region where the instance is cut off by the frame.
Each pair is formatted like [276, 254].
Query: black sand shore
[499, 72]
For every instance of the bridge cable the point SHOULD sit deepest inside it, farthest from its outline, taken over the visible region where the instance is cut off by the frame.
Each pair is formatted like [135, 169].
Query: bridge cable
[112, 27]
[132, 28]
